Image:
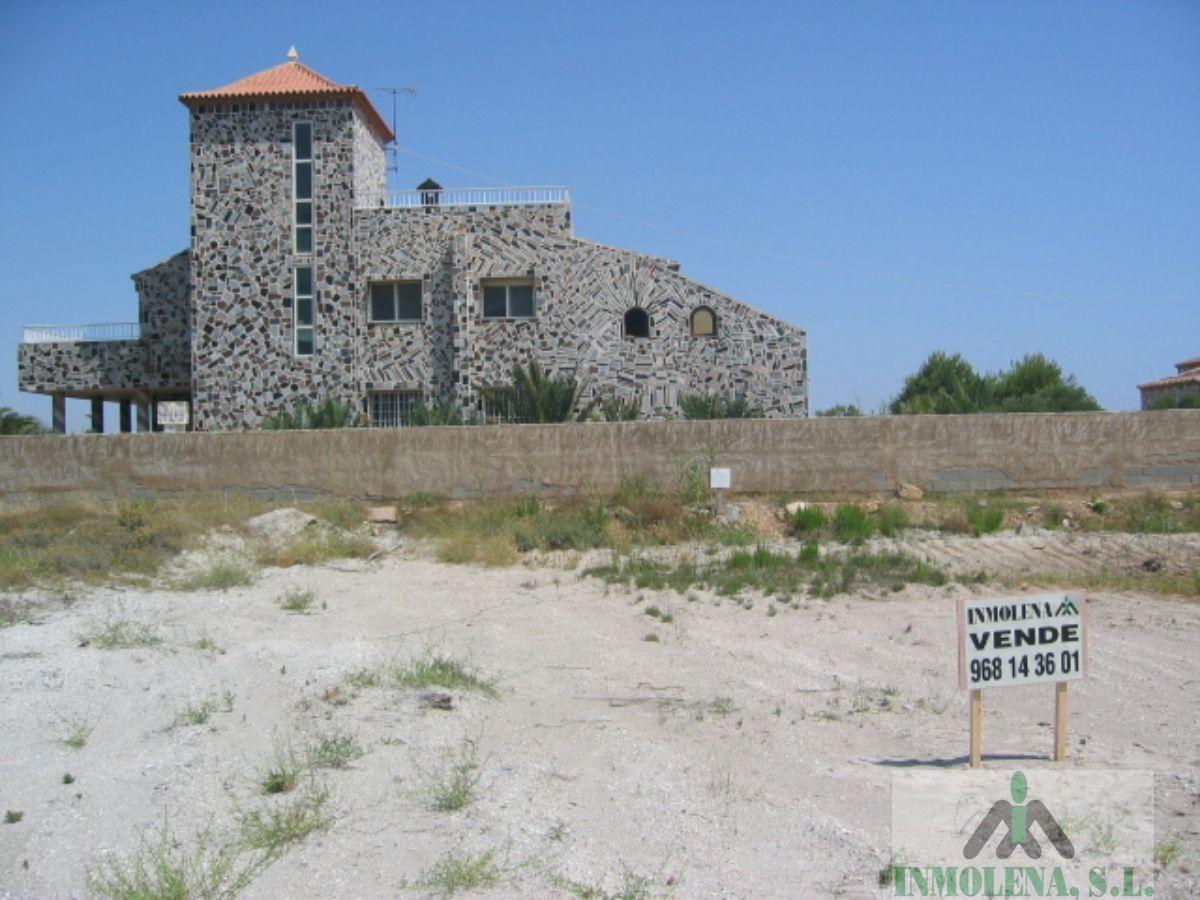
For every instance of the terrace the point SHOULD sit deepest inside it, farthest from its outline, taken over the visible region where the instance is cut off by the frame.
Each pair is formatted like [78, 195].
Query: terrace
[472, 197]
[102, 362]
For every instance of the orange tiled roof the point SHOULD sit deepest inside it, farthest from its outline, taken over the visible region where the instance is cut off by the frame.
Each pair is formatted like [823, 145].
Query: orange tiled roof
[297, 81]
[1189, 377]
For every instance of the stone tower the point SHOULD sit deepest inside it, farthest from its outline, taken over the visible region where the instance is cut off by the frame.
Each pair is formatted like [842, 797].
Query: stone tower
[279, 161]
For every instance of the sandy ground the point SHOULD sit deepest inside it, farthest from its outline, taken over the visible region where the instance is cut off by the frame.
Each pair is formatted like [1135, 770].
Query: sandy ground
[742, 755]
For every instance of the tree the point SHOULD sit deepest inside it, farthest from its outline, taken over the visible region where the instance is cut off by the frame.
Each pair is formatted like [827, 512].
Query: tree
[13, 422]
[944, 384]
[535, 396]
[1036, 384]
[949, 384]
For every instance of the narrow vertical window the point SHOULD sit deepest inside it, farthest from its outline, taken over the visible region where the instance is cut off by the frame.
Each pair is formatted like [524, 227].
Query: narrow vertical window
[302, 186]
[303, 306]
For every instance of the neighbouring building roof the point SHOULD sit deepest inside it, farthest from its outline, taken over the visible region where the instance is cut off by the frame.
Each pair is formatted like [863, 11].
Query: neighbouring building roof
[1183, 378]
[295, 81]
[1188, 364]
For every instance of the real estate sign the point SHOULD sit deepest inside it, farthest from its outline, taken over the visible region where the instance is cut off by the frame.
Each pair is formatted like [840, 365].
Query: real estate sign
[1021, 640]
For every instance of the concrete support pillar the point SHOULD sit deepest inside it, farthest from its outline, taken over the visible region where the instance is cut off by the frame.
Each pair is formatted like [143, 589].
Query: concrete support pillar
[97, 426]
[58, 413]
[126, 416]
[143, 416]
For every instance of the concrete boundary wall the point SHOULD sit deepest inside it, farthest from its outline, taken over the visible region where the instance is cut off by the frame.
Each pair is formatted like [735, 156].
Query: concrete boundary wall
[939, 453]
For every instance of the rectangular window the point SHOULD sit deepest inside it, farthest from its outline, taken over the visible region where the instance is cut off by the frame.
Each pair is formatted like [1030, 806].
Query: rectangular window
[302, 186]
[393, 409]
[304, 311]
[510, 298]
[396, 301]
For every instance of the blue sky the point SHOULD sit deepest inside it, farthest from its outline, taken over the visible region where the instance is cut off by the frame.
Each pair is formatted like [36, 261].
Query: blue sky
[989, 178]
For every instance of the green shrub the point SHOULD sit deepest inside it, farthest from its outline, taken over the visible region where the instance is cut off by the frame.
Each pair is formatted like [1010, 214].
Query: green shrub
[328, 413]
[852, 523]
[890, 520]
[1189, 401]
[808, 520]
[617, 409]
[984, 519]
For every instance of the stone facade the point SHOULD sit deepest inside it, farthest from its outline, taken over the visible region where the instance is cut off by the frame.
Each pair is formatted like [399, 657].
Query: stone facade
[582, 291]
[218, 319]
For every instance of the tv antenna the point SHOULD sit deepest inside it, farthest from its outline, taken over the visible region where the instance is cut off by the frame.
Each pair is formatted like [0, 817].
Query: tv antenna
[409, 90]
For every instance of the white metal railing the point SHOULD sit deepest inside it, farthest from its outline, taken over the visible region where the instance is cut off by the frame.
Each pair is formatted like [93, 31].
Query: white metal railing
[101, 331]
[506, 196]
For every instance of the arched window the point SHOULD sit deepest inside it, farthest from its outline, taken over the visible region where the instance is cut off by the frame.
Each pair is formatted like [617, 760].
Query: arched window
[637, 323]
[704, 322]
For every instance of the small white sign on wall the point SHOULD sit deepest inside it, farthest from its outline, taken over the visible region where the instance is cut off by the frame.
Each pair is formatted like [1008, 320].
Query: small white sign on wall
[172, 412]
[719, 479]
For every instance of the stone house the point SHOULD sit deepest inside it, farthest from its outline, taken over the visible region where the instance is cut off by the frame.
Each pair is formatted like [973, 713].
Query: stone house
[308, 279]
[1184, 383]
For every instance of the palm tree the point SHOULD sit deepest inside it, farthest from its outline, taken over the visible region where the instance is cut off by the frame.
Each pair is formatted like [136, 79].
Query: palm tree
[535, 396]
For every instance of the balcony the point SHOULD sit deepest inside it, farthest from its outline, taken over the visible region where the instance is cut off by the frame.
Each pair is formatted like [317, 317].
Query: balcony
[506, 196]
[76, 334]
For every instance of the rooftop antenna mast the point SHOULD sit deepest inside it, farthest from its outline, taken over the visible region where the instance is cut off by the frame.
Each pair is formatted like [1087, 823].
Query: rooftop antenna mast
[393, 149]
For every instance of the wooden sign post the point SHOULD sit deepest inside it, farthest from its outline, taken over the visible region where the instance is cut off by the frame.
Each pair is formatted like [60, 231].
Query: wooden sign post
[1012, 641]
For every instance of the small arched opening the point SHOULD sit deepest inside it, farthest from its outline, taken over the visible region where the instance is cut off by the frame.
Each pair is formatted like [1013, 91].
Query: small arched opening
[637, 323]
[704, 322]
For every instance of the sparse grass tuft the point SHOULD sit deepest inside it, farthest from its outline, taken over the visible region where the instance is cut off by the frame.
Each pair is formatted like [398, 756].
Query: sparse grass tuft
[422, 498]
[343, 514]
[163, 868]
[496, 532]
[777, 574]
[310, 549]
[297, 602]
[807, 521]
[196, 714]
[891, 520]
[852, 523]
[13, 816]
[76, 733]
[1166, 853]
[220, 576]
[440, 670]
[651, 638]
[284, 823]
[452, 874]
[335, 750]
[283, 773]
[451, 786]
[632, 887]
[983, 520]
[364, 678]
[121, 634]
